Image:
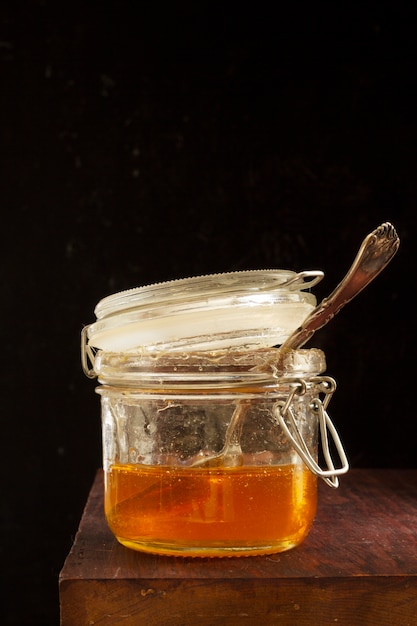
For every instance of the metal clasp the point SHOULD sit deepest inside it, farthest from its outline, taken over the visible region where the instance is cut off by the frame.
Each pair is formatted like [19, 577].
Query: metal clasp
[285, 416]
[310, 278]
[87, 355]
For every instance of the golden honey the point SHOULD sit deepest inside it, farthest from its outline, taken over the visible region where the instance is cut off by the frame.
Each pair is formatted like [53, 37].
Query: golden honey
[202, 511]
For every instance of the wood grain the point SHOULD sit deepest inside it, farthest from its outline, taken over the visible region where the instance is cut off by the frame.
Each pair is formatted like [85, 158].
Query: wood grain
[358, 566]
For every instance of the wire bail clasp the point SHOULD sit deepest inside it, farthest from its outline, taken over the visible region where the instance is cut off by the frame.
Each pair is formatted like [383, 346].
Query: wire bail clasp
[285, 416]
[87, 355]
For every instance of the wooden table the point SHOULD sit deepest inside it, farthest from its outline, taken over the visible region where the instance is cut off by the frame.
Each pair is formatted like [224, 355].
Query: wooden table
[357, 567]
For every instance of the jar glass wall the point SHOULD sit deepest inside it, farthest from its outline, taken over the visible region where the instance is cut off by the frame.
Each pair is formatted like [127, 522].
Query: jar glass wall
[195, 460]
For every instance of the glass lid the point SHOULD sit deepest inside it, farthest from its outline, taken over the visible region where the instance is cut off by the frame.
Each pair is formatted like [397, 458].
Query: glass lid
[248, 309]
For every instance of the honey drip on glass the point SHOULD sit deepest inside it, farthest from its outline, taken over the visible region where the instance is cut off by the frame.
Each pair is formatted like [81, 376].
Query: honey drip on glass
[210, 511]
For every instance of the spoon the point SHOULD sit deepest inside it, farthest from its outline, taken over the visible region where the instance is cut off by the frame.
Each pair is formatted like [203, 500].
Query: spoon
[376, 251]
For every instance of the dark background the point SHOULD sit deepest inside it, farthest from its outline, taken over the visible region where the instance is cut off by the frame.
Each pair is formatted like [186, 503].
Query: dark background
[147, 141]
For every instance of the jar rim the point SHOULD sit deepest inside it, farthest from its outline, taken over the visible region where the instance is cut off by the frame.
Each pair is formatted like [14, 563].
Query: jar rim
[233, 367]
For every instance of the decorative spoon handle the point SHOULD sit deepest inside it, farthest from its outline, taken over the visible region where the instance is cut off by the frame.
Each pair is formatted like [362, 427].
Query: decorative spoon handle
[375, 253]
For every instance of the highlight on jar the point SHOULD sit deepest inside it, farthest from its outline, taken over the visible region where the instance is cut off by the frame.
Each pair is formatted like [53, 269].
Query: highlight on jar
[214, 415]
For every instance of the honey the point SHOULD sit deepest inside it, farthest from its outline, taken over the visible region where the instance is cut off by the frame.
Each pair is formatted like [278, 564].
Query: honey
[207, 512]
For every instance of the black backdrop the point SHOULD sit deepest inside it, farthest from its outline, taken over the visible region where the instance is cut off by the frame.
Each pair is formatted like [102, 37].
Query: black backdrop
[146, 141]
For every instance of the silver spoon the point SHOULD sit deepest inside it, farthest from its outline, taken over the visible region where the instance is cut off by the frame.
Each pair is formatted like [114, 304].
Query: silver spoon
[375, 253]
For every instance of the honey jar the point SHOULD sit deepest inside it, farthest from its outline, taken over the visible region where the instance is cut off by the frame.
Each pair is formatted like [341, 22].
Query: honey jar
[210, 442]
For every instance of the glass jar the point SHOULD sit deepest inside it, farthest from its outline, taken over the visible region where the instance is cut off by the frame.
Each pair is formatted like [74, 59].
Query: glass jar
[208, 452]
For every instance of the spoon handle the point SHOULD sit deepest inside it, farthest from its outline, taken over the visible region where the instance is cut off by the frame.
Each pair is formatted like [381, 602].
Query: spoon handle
[375, 253]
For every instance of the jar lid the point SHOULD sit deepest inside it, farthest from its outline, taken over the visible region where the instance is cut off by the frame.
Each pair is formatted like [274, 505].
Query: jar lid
[248, 309]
